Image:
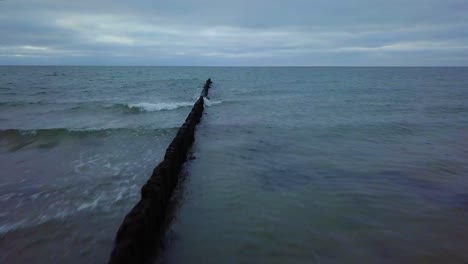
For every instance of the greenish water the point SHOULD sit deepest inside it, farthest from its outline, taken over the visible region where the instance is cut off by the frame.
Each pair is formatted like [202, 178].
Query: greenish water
[293, 165]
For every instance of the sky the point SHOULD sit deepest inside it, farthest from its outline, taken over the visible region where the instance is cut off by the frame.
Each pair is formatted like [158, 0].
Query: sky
[234, 32]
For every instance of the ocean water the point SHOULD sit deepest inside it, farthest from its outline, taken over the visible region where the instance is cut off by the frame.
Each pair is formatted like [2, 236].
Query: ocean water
[292, 165]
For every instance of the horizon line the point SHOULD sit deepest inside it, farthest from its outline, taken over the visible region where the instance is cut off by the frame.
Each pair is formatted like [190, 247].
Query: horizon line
[238, 66]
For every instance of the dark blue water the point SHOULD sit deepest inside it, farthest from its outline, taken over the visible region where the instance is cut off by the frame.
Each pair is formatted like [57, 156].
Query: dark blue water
[293, 165]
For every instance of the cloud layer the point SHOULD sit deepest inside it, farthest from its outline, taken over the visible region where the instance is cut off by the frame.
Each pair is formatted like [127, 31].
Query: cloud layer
[209, 32]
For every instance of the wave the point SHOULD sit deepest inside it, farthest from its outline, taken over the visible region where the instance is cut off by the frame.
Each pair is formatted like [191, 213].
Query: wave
[154, 107]
[16, 139]
[8, 133]
[68, 205]
[19, 103]
[209, 102]
[96, 105]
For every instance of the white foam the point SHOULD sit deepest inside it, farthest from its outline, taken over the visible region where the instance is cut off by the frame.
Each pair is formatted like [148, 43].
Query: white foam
[209, 102]
[90, 205]
[121, 193]
[11, 227]
[7, 196]
[32, 222]
[152, 107]
[28, 132]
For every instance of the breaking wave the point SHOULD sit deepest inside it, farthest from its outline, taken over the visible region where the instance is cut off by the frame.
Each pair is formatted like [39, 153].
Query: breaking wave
[17, 139]
[209, 102]
[153, 107]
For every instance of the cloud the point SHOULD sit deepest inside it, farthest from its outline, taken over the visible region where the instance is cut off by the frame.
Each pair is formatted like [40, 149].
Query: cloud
[409, 47]
[208, 32]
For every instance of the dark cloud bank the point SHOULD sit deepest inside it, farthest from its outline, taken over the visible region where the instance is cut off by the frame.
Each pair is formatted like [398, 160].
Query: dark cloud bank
[217, 32]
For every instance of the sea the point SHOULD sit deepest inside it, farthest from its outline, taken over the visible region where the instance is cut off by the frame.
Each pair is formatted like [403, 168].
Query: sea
[290, 164]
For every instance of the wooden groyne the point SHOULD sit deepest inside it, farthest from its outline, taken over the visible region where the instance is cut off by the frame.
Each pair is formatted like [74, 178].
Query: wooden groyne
[143, 227]
[206, 87]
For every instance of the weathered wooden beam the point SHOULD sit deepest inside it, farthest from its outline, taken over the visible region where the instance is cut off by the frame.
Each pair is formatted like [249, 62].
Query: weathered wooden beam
[143, 227]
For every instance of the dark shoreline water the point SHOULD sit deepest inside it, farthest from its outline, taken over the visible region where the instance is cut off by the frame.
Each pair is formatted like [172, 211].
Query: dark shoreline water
[293, 164]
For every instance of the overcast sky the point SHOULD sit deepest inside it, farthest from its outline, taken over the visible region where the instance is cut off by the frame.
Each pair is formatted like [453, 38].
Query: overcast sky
[234, 32]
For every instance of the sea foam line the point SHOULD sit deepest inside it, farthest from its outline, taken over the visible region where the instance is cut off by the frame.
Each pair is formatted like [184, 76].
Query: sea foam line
[211, 102]
[152, 107]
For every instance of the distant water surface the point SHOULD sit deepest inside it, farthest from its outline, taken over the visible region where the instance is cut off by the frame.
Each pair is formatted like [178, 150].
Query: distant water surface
[293, 165]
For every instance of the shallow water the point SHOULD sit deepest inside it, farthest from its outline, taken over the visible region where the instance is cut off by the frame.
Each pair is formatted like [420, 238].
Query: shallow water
[293, 165]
